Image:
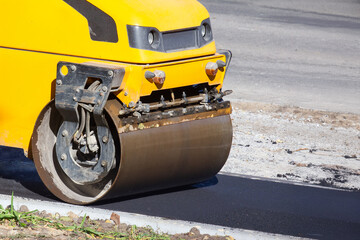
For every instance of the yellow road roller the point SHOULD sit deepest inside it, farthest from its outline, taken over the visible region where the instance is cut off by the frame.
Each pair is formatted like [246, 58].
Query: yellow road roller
[113, 98]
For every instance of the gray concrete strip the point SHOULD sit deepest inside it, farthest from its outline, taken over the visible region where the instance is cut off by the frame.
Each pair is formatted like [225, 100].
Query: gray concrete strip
[158, 224]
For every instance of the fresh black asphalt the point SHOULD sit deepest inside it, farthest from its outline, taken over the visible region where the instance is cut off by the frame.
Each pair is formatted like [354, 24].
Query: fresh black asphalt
[230, 201]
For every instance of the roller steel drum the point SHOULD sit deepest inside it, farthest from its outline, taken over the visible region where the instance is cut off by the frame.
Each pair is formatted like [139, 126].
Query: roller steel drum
[146, 160]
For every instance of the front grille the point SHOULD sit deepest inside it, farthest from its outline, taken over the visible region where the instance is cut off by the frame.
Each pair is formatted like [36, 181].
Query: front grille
[180, 40]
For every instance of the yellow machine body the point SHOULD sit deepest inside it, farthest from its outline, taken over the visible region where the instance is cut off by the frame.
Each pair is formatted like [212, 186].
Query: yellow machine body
[56, 27]
[37, 35]
[42, 33]
[28, 79]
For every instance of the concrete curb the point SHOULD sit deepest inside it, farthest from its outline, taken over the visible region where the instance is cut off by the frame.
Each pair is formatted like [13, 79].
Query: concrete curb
[158, 224]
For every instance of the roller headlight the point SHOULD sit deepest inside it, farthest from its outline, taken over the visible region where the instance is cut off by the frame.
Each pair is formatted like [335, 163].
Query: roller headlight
[151, 38]
[206, 32]
[203, 30]
[154, 39]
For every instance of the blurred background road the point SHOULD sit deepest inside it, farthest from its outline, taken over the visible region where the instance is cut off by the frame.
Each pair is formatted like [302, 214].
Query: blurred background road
[300, 53]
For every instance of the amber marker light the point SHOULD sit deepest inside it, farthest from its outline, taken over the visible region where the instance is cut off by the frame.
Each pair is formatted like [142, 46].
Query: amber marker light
[157, 77]
[211, 69]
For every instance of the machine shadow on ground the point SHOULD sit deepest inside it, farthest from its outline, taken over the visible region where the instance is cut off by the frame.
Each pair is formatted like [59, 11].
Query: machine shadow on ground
[208, 183]
[17, 168]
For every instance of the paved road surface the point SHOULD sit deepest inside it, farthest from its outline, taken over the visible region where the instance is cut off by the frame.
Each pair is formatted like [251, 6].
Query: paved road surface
[303, 53]
[224, 200]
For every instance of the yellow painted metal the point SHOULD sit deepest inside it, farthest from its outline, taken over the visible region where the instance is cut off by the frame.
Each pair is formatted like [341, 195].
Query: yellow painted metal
[27, 84]
[37, 34]
[56, 27]
[28, 81]
[178, 73]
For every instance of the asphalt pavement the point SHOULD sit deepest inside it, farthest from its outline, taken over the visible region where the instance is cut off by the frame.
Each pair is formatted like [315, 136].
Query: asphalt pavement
[231, 201]
[300, 53]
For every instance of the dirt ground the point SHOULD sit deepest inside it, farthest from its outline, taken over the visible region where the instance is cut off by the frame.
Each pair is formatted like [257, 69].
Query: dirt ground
[283, 142]
[48, 226]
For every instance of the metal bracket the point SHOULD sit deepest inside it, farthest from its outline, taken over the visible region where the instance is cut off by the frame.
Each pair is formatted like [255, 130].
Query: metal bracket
[70, 86]
[72, 92]
[228, 55]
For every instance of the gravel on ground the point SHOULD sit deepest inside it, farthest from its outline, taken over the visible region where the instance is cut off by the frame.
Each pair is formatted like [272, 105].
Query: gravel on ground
[284, 142]
[43, 225]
